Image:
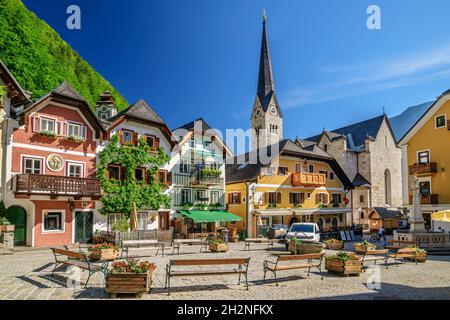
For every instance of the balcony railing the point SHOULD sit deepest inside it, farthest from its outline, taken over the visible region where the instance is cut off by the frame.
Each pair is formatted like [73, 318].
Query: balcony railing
[308, 179]
[56, 185]
[196, 178]
[423, 168]
[426, 199]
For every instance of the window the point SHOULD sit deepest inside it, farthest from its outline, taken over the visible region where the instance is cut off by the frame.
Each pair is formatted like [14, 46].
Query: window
[311, 168]
[308, 195]
[322, 198]
[32, 165]
[362, 215]
[74, 130]
[324, 173]
[423, 157]
[184, 166]
[440, 121]
[140, 174]
[273, 197]
[185, 196]
[192, 143]
[113, 218]
[142, 221]
[337, 199]
[325, 147]
[425, 187]
[53, 221]
[114, 172]
[298, 167]
[75, 170]
[164, 177]
[214, 197]
[282, 171]
[296, 197]
[234, 198]
[150, 141]
[331, 175]
[361, 199]
[202, 195]
[47, 125]
[127, 136]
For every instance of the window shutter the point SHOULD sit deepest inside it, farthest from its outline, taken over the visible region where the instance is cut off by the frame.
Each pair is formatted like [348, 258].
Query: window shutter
[148, 177]
[239, 197]
[120, 136]
[302, 197]
[266, 197]
[169, 178]
[156, 146]
[135, 138]
[84, 132]
[291, 197]
[229, 198]
[35, 124]
[317, 199]
[122, 173]
[278, 197]
[325, 198]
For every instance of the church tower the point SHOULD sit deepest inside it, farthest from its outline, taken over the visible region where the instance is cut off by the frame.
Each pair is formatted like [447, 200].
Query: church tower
[106, 106]
[266, 119]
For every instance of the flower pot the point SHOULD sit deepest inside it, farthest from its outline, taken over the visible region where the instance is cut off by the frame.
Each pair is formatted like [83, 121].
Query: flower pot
[131, 283]
[7, 228]
[305, 248]
[335, 245]
[218, 247]
[361, 248]
[103, 254]
[349, 267]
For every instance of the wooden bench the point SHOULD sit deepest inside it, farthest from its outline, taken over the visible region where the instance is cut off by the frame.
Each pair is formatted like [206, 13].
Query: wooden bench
[376, 255]
[80, 260]
[404, 253]
[126, 244]
[267, 241]
[312, 261]
[242, 269]
[396, 244]
[176, 243]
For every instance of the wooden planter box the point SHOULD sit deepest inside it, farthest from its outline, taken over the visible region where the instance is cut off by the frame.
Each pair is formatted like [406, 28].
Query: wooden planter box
[420, 257]
[305, 248]
[350, 267]
[7, 228]
[103, 254]
[360, 248]
[218, 247]
[131, 283]
[338, 245]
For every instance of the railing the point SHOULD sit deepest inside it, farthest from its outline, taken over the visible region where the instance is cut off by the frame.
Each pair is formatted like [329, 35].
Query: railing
[423, 168]
[196, 178]
[426, 199]
[308, 179]
[56, 185]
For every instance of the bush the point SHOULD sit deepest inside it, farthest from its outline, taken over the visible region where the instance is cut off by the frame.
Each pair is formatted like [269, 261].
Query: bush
[121, 225]
[4, 221]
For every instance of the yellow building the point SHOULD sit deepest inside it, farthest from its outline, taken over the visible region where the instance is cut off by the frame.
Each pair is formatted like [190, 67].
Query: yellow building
[426, 155]
[296, 184]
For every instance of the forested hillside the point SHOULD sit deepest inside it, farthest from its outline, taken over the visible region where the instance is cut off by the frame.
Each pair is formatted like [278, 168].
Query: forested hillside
[40, 60]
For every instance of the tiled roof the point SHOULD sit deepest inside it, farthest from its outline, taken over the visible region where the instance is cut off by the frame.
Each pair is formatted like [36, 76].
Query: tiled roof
[359, 131]
[140, 110]
[65, 89]
[360, 181]
[198, 124]
[386, 213]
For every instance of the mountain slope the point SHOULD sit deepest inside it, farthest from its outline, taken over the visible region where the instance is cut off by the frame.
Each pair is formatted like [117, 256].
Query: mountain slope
[405, 120]
[40, 60]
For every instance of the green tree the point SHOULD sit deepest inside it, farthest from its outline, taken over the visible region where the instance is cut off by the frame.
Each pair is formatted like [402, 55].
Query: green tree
[119, 195]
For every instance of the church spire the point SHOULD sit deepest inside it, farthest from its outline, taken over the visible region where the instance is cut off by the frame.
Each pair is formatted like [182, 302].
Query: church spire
[266, 86]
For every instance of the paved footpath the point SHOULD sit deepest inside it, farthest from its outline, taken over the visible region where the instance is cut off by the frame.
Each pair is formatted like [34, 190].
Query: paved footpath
[26, 275]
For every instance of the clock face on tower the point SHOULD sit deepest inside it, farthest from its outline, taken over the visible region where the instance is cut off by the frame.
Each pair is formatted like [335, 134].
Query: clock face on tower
[273, 110]
[257, 113]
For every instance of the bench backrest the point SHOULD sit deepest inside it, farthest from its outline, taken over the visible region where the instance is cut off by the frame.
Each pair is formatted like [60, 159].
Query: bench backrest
[187, 240]
[309, 256]
[203, 262]
[138, 242]
[407, 250]
[256, 240]
[402, 243]
[71, 254]
[376, 252]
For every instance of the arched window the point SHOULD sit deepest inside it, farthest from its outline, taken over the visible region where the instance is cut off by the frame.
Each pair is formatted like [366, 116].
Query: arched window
[387, 187]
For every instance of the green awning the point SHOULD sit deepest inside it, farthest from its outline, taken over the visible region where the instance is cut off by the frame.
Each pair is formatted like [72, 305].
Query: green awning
[210, 216]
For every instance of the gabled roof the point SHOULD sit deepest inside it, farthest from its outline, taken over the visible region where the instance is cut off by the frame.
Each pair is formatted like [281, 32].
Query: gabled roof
[305, 144]
[239, 169]
[139, 110]
[15, 91]
[386, 213]
[359, 131]
[66, 90]
[360, 181]
[404, 121]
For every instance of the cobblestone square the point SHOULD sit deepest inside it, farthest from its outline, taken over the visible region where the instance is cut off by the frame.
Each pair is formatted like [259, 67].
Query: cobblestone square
[27, 275]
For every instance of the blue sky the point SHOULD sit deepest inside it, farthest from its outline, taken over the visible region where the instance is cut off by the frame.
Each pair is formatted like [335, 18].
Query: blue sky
[199, 58]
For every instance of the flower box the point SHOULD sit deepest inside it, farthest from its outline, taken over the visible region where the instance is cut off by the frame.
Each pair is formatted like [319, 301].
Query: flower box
[334, 244]
[101, 252]
[421, 257]
[218, 247]
[305, 247]
[363, 247]
[130, 283]
[349, 267]
[7, 228]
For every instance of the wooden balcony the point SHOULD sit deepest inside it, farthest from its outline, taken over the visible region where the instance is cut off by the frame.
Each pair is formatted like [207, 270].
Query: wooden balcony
[426, 199]
[423, 168]
[308, 179]
[41, 184]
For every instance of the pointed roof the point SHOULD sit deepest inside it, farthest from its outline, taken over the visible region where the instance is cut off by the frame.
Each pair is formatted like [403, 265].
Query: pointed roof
[360, 181]
[199, 125]
[266, 86]
[106, 99]
[140, 111]
[17, 94]
[65, 89]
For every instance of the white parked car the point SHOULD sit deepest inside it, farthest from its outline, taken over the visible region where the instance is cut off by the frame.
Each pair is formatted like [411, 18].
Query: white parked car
[306, 232]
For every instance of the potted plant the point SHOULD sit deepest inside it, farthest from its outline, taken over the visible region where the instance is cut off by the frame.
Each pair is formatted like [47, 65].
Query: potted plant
[300, 247]
[130, 277]
[48, 134]
[103, 251]
[334, 244]
[363, 247]
[75, 139]
[5, 225]
[97, 237]
[421, 254]
[344, 263]
[322, 206]
[218, 246]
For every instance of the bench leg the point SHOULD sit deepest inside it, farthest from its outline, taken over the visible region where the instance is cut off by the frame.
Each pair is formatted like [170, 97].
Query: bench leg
[54, 269]
[320, 271]
[265, 271]
[239, 280]
[309, 270]
[246, 280]
[168, 285]
[87, 280]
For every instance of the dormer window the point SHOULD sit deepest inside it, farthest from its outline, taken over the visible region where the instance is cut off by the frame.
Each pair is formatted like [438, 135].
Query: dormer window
[74, 130]
[48, 125]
